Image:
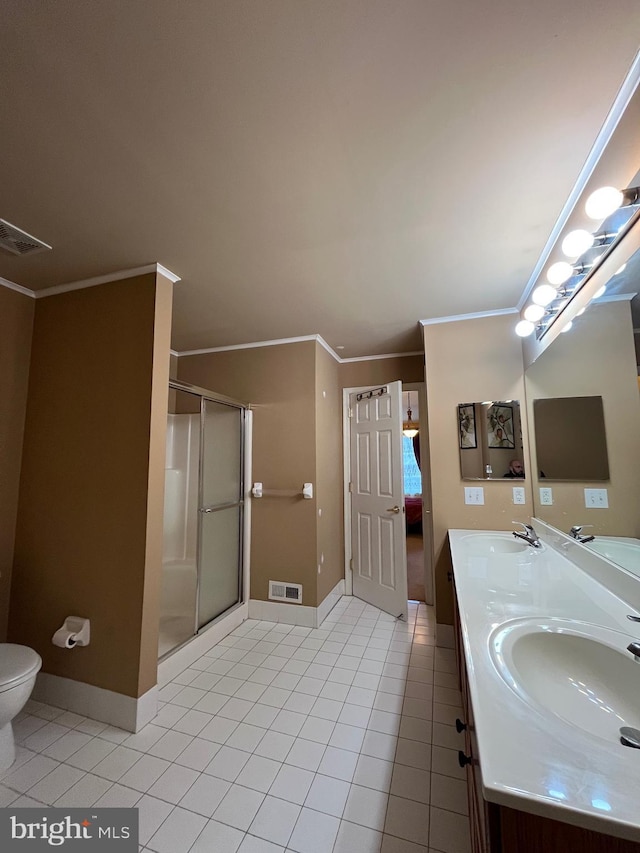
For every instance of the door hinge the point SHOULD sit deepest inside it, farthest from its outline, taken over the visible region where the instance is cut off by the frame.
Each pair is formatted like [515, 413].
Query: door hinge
[350, 412]
[351, 564]
[351, 487]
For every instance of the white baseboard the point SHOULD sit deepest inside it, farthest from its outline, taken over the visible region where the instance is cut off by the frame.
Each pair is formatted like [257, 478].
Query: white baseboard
[296, 614]
[445, 636]
[195, 648]
[119, 710]
[288, 614]
[325, 607]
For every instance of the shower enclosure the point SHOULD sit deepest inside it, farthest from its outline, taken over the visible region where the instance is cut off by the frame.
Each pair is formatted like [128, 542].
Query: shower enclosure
[202, 566]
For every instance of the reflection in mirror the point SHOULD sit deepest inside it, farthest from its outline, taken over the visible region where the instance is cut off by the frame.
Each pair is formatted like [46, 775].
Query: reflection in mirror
[490, 440]
[570, 438]
[598, 357]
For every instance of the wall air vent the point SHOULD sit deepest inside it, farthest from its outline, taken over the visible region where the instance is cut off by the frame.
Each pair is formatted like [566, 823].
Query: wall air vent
[19, 242]
[279, 591]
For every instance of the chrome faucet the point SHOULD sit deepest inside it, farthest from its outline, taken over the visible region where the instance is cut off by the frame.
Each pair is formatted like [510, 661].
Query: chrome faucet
[576, 533]
[528, 534]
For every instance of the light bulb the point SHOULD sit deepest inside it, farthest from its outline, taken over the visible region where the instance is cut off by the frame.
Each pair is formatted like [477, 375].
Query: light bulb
[534, 313]
[524, 328]
[603, 202]
[600, 292]
[577, 242]
[560, 272]
[581, 311]
[544, 294]
[620, 269]
[567, 327]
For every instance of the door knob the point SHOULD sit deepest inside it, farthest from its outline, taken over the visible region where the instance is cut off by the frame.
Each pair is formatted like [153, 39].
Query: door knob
[395, 509]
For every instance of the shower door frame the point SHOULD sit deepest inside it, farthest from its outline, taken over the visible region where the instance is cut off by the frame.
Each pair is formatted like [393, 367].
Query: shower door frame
[243, 580]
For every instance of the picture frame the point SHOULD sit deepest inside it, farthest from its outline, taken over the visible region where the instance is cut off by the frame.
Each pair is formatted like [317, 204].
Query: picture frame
[500, 430]
[467, 426]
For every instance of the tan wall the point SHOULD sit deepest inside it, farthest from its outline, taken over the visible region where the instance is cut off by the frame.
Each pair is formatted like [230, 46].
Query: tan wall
[478, 359]
[16, 328]
[329, 466]
[280, 383]
[354, 374]
[597, 357]
[85, 533]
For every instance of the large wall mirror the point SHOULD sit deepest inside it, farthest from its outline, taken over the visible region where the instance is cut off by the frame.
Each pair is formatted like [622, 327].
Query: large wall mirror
[597, 359]
[571, 440]
[490, 440]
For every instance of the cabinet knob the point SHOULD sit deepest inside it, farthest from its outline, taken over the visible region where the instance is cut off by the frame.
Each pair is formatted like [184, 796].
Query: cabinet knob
[463, 759]
[460, 726]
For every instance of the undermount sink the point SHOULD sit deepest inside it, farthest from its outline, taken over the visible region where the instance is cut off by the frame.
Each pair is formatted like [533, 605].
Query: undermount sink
[581, 673]
[495, 543]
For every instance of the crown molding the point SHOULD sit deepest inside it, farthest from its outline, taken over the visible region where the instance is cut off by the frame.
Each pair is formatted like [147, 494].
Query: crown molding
[378, 357]
[4, 282]
[105, 279]
[454, 318]
[280, 341]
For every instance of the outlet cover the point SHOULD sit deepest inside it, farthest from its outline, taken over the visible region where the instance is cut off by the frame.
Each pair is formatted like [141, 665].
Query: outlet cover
[596, 498]
[474, 495]
[518, 495]
[546, 497]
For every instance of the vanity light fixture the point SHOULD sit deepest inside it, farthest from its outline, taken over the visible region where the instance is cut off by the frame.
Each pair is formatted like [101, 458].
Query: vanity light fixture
[577, 242]
[533, 313]
[544, 294]
[606, 200]
[589, 249]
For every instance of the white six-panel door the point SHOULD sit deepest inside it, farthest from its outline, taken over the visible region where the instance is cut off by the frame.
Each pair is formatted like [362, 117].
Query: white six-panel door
[377, 499]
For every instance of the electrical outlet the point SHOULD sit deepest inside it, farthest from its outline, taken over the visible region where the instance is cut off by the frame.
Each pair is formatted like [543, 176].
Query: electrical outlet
[518, 495]
[546, 497]
[474, 495]
[596, 498]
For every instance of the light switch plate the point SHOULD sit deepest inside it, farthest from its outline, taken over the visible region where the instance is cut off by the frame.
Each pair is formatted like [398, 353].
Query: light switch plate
[596, 498]
[474, 495]
[546, 496]
[518, 495]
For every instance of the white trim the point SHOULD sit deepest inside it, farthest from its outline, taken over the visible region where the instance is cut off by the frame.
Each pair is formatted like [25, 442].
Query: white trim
[331, 352]
[200, 644]
[13, 286]
[325, 607]
[378, 357]
[254, 345]
[105, 279]
[281, 341]
[445, 637]
[288, 614]
[119, 710]
[499, 312]
[602, 140]
[296, 614]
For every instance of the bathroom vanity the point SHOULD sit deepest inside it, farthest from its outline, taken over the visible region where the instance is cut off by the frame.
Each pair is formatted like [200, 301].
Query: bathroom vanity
[547, 683]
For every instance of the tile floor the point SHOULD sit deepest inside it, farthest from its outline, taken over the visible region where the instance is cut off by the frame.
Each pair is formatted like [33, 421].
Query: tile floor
[336, 740]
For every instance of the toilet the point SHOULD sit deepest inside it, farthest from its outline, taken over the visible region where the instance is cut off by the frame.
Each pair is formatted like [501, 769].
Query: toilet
[19, 666]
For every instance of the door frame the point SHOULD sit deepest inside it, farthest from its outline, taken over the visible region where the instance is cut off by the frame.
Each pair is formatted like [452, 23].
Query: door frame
[427, 516]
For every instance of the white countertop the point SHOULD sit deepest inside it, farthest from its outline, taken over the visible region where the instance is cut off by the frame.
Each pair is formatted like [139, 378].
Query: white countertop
[530, 760]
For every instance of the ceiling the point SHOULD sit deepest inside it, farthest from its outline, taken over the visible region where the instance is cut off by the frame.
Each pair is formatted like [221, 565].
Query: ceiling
[344, 168]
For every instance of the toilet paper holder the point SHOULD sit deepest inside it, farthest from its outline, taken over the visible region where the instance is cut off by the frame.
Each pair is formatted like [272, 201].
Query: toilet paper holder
[76, 631]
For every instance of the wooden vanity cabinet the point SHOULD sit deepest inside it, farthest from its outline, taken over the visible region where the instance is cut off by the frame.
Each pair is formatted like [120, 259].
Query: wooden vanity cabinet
[499, 829]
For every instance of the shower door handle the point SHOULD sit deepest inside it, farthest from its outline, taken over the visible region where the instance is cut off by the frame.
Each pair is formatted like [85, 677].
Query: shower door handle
[216, 507]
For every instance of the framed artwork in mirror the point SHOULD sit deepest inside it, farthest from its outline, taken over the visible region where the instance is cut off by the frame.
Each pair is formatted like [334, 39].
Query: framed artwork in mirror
[467, 426]
[500, 432]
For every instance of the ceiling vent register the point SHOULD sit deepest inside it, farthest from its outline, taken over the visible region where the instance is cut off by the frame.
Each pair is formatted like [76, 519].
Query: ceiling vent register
[19, 242]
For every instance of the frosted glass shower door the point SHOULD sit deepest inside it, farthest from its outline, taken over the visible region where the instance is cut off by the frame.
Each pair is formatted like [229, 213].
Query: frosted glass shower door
[221, 510]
